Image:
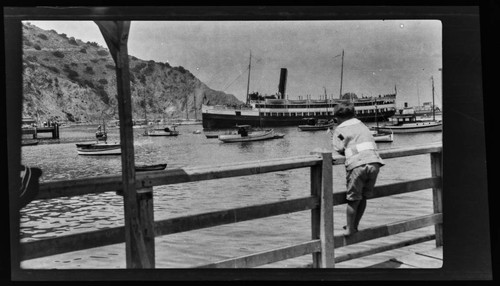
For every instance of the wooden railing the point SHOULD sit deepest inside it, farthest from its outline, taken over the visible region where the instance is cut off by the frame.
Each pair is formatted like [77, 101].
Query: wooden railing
[321, 201]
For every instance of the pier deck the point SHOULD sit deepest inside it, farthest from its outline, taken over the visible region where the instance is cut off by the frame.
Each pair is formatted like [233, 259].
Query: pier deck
[432, 258]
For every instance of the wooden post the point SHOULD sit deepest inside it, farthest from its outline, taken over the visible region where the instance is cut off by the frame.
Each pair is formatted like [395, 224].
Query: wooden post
[137, 252]
[322, 217]
[13, 114]
[437, 194]
[146, 221]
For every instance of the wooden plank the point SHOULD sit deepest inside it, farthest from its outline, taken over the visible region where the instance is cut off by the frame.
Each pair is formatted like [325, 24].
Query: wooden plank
[13, 95]
[103, 184]
[74, 242]
[115, 34]
[419, 261]
[437, 194]
[193, 174]
[315, 185]
[394, 189]
[383, 248]
[146, 222]
[436, 253]
[389, 229]
[71, 242]
[199, 221]
[326, 209]
[399, 152]
[269, 256]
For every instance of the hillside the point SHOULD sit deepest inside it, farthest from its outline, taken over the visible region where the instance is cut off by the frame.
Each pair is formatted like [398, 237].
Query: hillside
[66, 79]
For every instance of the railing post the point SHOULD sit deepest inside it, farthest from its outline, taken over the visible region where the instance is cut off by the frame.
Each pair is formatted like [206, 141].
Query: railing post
[146, 221]
[437, 193]
[322, 217]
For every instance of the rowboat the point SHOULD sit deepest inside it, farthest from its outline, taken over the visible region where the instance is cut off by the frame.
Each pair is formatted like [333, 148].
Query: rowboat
[167, 131]
[98, 148]
[145, 168]
[382, 136]
[313, 124]
[29, 143]
[252, 136]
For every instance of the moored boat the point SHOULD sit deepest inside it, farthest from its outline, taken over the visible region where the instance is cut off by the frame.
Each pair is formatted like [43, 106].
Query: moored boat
[245, 136]
[314, 124]
[29, 143]
[383, 136]
[98, 148]
[167, 131]
[406, 121]
[145, 168]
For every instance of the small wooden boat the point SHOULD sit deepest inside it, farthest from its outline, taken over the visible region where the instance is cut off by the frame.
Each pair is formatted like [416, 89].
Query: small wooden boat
[98, 148]
[145, 168]
[382, 136]
[215, 134]
[314, 124]
[167, 131]
[245, 136]
[29, 143]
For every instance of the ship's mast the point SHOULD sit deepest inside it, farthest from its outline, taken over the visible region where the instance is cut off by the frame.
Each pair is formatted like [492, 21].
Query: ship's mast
[248, 83]
[194, 102]
[433, 109]
[341, 74]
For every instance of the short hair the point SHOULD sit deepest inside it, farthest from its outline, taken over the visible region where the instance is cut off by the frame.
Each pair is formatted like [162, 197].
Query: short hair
[344, 110]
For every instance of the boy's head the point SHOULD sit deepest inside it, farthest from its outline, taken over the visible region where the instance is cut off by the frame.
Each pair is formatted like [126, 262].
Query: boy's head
[344, 111]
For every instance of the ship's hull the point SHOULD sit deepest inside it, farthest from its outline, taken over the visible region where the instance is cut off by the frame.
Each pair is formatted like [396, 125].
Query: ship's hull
[222, 121]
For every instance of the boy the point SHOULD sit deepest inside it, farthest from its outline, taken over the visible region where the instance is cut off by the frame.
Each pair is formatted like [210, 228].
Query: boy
[353, 139]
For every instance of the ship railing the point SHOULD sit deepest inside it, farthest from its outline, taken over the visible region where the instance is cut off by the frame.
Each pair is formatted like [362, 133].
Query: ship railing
[320, 202]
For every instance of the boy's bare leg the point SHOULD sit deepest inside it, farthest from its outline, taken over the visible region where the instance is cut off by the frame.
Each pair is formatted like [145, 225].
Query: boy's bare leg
[351, 214]
[359, 213]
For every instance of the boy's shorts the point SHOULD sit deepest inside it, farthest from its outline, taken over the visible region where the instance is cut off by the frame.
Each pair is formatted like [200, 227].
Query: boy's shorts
[361, 181]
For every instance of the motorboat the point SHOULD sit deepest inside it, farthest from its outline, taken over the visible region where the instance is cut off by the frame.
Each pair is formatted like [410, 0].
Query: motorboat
[100, 148]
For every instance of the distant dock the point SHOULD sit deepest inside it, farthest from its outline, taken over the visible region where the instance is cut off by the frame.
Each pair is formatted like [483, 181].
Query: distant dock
[35, 130]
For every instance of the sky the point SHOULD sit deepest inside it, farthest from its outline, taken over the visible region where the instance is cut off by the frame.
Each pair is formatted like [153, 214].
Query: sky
[378, 55]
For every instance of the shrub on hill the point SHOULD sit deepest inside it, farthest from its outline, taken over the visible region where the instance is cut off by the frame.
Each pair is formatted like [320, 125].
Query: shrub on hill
[102, 53]
[89, 70]
[58, 54]
[42, 36]
[72, 41]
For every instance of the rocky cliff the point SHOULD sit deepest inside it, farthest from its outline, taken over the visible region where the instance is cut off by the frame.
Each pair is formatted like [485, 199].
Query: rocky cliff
[66, 79]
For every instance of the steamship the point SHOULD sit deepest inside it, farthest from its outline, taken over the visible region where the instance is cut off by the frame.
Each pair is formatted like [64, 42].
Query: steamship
[280, 111]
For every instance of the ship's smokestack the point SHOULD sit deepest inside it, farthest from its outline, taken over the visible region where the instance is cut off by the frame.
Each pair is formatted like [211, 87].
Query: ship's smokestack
[282, 85]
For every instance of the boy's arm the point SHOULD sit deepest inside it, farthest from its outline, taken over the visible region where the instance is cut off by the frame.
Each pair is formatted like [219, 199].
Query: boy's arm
[338, 144]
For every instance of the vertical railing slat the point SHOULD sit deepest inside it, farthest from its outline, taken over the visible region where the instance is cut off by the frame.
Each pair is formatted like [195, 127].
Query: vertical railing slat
[437, 194]
[315, 181]
[322, 219]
